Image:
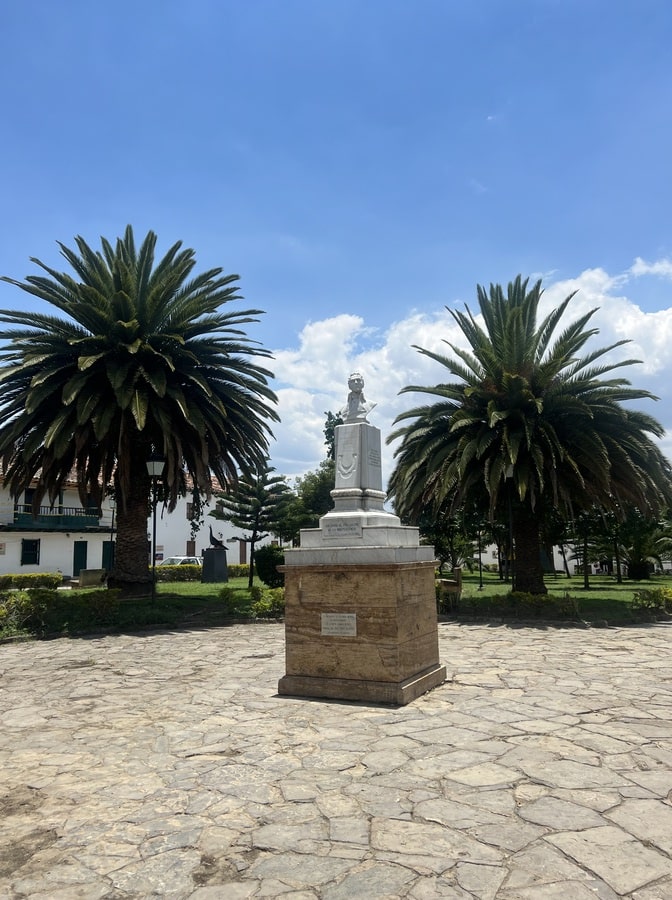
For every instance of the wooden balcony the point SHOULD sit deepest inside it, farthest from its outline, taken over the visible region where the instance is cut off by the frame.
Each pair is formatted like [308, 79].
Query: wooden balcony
[58, 518]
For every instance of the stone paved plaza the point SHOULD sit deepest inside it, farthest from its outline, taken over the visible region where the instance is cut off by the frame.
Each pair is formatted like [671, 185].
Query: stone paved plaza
[165, 765]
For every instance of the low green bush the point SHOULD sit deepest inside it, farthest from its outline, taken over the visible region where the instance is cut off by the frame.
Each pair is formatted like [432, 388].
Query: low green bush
[178, 573]
[232, 602]
[16, 612]
[238, 570]
[651, 602]
[267, 603]
[521, 605]
[26, 580]
[266, 562]
[43, 611]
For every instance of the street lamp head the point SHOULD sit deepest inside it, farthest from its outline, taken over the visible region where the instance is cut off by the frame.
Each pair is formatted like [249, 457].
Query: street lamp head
[155, 465]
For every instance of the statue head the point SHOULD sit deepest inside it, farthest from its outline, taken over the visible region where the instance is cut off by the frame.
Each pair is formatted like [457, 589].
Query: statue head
[356, 382]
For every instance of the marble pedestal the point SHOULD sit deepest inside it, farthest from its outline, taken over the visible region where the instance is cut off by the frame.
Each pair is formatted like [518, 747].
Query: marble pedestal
[362, 631]
[360, 602]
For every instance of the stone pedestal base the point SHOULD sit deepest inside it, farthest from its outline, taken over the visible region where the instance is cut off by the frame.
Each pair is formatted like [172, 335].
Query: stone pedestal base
[372, 691]
[361, 632]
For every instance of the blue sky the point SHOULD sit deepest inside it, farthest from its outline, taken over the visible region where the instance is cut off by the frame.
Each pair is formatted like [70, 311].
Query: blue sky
[360, 163]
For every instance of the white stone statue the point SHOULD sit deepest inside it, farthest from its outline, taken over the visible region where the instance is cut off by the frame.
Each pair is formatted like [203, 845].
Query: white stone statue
[357, 407]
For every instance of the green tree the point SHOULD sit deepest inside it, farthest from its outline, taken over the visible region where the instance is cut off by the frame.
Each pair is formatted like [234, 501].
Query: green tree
[446, 533]
[254, 505]
[644, 540]
[332, 420]
[527, 423]
[311, 497]
[314, 489]
[145, 360]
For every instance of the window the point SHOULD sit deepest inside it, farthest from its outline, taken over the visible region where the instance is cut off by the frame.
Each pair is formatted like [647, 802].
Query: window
[30, 552]
[190, 511]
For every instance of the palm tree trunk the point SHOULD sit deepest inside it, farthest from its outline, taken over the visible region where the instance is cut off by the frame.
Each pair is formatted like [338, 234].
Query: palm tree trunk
[528, 571]
[131, 564]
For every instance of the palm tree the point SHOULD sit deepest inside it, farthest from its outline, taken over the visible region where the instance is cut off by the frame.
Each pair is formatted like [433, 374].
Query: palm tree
[644, 541]
[143, 361]
[528, 425]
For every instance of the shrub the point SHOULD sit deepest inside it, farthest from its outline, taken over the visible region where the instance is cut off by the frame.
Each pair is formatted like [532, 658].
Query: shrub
[268, 603]
[178, 573]
[27, 580]
[16, 611]
[447, 596]
[521, 605]
[266, 561]
[44, 611]
[231, 601]
[651, 602]
[239, 570]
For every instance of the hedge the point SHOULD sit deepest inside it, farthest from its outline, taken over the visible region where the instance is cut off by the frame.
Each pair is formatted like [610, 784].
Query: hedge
[27, 580]
[193, 573]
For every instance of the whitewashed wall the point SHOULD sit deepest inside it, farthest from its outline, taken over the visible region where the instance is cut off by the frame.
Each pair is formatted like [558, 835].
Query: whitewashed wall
[57, 549]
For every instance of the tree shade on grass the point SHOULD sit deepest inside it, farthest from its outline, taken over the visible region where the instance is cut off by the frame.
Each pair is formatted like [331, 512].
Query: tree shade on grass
[527, 425]
[144, 361]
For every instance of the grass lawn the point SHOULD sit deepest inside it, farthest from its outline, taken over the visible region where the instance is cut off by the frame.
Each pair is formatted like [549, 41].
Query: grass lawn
[605, 600]
[185, 603]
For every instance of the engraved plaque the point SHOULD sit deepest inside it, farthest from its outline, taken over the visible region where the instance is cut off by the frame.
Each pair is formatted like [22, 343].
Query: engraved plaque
[339, 624]
[334, 530]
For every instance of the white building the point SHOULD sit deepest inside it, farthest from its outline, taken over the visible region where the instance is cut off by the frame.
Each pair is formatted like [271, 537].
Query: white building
[68, 538]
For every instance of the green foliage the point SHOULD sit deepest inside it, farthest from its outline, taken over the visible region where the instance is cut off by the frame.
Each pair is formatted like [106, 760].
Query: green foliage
[268, 603]
[238, 570]
[266, 561]
[232, 602]
[178, 573]
[314, 490]
[653, 602]
[448, 596]
[42, 611]
[16, 613]
[521, 605]
[31, 579]
[522, 422]
[643, 539]
[255, 505]
[132, 357]
[446, 533]
[329, 430]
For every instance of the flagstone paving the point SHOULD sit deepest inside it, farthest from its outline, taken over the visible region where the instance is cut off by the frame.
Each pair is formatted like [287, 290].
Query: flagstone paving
[166, 765]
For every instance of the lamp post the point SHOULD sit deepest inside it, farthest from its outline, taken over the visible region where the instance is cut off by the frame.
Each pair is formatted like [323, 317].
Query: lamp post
[111, 559]
[155, 465]
[480, 560]
[510, 569]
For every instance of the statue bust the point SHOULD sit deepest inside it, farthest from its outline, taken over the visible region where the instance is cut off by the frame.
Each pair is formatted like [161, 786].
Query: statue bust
[357, 407]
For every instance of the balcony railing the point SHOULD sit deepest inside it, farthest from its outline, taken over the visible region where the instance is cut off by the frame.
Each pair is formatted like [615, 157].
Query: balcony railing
[59, 518]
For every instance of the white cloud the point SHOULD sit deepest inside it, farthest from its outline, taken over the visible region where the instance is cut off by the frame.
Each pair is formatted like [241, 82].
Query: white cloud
[660, 267]
[312, 377]
[618, 318]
